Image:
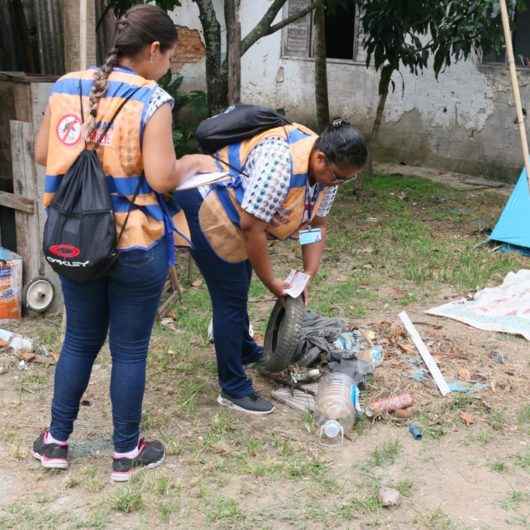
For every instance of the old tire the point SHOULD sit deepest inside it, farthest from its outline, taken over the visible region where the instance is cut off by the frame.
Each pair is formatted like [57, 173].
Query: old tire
[284, 332]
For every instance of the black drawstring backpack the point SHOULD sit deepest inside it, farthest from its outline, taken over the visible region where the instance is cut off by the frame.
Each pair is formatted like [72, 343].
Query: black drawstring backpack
[237, 123]
[80, 240]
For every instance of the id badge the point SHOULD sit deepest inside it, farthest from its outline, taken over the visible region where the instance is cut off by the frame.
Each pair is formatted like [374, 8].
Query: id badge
[310, 236]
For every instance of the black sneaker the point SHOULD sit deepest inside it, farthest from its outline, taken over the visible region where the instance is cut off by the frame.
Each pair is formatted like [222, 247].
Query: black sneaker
[51, 456]
[151, 455]
[251, 404]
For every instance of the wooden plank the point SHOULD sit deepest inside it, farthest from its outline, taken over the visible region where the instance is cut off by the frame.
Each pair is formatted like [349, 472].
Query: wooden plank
[40, 93]
[28, 227]
[17, 202]
[83, 34]
[425, 354]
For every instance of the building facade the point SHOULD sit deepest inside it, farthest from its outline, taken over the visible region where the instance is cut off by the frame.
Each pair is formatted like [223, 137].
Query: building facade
[464, 121]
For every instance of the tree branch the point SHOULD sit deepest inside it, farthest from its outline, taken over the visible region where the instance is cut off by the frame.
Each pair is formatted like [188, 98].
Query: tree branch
[264, 26]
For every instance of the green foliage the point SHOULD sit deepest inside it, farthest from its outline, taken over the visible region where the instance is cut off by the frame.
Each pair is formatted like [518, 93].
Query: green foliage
[404, 33]
[194, 103]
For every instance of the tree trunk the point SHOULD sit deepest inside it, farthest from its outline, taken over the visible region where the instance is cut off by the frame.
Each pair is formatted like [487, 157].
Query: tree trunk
[216, 75]
[233, 37]
[384, 84]
[321, 73]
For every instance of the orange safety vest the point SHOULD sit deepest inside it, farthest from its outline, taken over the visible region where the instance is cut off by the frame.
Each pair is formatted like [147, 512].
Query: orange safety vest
[221, 208]
[120, 151]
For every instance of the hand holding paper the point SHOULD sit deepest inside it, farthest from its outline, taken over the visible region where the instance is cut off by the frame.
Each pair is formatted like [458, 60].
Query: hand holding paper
[297, 282]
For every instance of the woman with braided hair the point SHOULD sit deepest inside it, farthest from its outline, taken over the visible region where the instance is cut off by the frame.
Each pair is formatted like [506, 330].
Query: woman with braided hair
[137, 156]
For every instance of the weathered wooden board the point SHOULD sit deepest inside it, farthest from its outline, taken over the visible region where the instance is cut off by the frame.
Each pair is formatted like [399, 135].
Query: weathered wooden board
[27, 224]
[16, 202]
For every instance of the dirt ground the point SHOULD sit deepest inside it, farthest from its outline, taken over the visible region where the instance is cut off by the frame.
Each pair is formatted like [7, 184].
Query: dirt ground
[471, 470]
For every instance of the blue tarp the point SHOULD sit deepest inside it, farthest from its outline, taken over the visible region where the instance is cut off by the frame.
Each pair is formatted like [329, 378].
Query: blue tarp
[513, 226]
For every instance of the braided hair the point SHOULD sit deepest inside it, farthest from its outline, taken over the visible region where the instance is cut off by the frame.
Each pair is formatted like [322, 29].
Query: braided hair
[139, 27]
[342, 144]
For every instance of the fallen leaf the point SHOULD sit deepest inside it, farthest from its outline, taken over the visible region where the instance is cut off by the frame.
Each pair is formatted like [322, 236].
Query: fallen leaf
[464, 374]
[466, 418]
[197, 283]
[26, 356]
[404, 413]
[221, 448]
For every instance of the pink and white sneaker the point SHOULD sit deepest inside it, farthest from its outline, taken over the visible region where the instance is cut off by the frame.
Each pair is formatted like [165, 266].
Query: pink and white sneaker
[51, 455]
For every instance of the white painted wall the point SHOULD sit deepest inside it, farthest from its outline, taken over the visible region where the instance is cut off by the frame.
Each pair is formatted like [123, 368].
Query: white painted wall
[463, 122]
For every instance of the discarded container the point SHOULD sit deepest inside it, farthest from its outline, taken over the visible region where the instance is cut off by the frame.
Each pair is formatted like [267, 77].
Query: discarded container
[10, 285]
[350, 343]
[391, 404]
[17, 343]
[335, 411]
[377, 355]
[415, 431]
[305, 375]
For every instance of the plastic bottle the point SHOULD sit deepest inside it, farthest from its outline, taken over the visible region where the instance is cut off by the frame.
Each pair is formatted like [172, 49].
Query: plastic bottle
[335, 411]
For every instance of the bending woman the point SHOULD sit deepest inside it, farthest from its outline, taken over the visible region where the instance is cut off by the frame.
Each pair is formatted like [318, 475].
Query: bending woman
[125, 302]
[288, 174]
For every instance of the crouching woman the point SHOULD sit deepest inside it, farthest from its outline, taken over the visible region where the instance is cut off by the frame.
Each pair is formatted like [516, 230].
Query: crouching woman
[283, 183]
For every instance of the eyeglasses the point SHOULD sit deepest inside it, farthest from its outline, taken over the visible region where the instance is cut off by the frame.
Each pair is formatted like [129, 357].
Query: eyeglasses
[339, 178]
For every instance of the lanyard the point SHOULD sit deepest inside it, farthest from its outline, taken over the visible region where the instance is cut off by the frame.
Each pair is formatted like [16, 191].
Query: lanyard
[309, 201]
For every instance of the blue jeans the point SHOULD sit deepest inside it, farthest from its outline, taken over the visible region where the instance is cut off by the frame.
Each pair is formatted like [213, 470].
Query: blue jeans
[124, 304]
[228, 285]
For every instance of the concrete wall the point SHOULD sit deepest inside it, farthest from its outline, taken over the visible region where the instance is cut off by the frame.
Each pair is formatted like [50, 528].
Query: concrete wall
[462, 122]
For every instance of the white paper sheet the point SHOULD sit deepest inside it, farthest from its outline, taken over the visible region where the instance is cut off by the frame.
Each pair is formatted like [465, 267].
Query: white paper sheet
[203, 179]
[297, 281]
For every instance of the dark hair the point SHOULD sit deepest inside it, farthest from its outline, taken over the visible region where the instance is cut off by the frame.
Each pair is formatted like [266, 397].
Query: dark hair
[140, 26]
[343, 144]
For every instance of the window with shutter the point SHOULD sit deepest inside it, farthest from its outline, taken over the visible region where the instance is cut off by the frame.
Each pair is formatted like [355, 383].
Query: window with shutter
[343, 32]
[297, 36]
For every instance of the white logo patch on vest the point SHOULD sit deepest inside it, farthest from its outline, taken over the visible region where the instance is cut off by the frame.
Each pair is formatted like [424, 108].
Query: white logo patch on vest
[69, 129]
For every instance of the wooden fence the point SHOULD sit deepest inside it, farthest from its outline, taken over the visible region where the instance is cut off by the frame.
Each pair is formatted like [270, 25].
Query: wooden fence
[32, 36]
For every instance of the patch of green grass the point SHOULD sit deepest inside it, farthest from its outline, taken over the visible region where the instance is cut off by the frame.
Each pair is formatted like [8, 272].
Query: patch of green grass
[523, 461]
[514, 500]
[483, 437]
[387, 454]
[291, 468]
[91, 481]
[437, 520]
[225, 510]
[496, 420]
[97, 520]
[166, 509]
[499, 467]
[462, 402]
[341, 298]
[523, 417]
[21, 516]
[360, 506]
[127, 500]
[405, 487]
